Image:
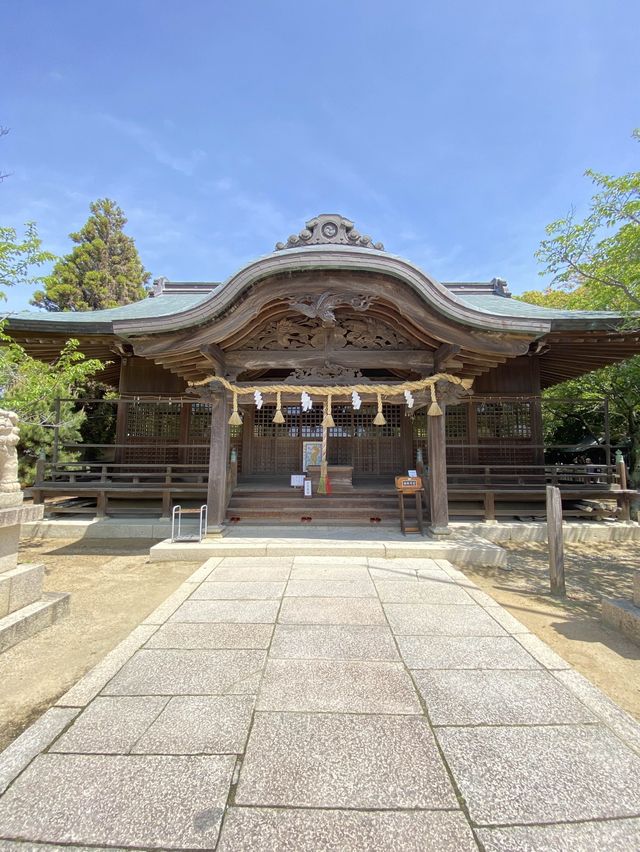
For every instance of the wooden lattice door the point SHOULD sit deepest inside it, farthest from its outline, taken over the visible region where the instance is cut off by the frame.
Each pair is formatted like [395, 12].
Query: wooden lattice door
[354, 440]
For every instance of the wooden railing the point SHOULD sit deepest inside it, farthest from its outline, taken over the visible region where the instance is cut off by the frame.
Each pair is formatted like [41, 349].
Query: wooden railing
[528, 476]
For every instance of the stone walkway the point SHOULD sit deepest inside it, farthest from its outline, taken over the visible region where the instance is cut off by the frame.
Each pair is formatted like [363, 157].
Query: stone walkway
[327, 703]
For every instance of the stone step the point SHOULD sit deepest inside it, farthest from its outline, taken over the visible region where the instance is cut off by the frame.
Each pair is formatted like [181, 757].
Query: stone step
[33, 618]
[20, 587]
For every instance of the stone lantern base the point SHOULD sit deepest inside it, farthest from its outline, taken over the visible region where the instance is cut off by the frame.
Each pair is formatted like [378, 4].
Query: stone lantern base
[24, 609]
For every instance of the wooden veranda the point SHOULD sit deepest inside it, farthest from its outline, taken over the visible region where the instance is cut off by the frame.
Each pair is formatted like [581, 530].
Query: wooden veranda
[159, 452]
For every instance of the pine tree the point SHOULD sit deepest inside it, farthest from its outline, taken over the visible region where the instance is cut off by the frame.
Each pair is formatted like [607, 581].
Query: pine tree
[102, 271]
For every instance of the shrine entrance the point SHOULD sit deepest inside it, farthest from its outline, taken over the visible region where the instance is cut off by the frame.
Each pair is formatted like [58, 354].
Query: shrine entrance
[271, 449]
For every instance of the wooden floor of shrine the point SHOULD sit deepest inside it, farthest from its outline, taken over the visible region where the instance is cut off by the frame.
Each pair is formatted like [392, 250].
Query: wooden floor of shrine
[373, 501]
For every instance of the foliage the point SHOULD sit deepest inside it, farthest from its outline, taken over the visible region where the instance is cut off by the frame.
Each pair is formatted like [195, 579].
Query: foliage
[18, 254]
[568, 423]
[102, 271]
[99, 425]
[30, 387]
[600, 255]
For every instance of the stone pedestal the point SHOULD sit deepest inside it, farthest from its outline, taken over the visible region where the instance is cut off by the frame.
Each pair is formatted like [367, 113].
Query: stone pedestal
[624, 614]
[24, 609]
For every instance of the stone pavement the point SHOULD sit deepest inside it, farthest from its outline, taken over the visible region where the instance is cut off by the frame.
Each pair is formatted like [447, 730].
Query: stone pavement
[327, 703]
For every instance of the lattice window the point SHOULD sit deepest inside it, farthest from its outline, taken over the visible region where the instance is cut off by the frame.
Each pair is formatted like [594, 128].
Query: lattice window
[264, 427]
[157, 421]
[199, 423]
[312, 423]
[342, 417]
[456, 424]
[504, 420]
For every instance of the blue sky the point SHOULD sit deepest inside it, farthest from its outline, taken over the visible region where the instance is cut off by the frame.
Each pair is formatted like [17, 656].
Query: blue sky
[451, 132]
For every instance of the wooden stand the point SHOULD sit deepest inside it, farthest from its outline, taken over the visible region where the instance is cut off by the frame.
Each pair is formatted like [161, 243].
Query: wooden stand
[410, 486]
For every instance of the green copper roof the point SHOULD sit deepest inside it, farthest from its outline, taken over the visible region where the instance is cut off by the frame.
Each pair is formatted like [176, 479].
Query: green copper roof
[515, 308]
[162, 306]
[174, 302]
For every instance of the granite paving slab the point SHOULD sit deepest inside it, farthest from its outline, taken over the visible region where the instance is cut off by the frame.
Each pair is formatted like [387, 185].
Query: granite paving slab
[310, 830]
[228, 612]
[199, 725]
[508, 621]
[464, 652]
[430, 591]
[441, 620]
[31, 742]
[292, 670]
[333, 571]
[331, 611]
[110, 725]
[330, 760]
[133, 800]
[252, 570]
[334, 686]
[170, 672]
[333, 559]
[203, 635]
[333, 642]
[229, 590]
[498, 697]
[542, 774]
[620, 835]
[331, 588]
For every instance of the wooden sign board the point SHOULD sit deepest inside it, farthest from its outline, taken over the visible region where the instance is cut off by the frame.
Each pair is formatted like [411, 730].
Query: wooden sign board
[408, 484]
[307, 488]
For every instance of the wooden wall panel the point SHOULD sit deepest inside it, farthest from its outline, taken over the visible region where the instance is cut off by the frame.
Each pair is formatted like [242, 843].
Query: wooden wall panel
[519, 375]
[138, 375]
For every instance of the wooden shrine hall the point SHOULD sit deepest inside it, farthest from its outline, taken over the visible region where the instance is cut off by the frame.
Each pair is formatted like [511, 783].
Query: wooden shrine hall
[327, 345]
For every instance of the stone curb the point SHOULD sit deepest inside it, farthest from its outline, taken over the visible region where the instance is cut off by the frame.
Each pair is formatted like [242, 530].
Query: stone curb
[19, 754]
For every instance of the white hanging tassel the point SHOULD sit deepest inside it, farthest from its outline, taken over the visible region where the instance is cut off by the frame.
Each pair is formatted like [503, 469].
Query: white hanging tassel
[409, 398]
[306, 401]
[258, 399]
[356, 401]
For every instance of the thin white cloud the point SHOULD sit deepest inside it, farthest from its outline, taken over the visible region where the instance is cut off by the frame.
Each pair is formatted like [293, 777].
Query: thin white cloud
[150, 143]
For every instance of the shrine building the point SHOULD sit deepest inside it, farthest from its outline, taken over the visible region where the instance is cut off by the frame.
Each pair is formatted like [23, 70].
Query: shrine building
[215, 392]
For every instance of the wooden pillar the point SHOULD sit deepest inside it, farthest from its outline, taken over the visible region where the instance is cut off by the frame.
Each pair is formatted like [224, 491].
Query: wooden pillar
[437, 454]
[218, 463]
[406, 440]
[556, 541]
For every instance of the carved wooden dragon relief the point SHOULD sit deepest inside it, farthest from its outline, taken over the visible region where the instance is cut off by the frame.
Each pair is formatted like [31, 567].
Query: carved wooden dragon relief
[312, 333]
[323, 306]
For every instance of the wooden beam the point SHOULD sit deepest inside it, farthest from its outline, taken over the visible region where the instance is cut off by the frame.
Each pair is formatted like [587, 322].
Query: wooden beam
[250, 359]
[443, 355]
[214, 357]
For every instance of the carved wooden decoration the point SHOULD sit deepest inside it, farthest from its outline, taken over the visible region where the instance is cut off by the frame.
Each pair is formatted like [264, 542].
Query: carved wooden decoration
[323, 306]
[350, 333]
[326, 374]
[329, 228]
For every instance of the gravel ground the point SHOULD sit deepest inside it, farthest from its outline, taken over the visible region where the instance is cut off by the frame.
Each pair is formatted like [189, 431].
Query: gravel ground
[113, 588]
[572, 627]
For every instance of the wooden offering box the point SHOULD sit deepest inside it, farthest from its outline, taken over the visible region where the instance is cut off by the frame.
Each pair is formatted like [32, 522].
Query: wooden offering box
[340, 477]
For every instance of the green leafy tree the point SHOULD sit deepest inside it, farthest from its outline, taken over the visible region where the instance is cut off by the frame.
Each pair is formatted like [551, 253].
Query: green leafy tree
[568, 422]
[30, 387]
[18, 256]
[102, 271]
[600, 255]
[595, 265]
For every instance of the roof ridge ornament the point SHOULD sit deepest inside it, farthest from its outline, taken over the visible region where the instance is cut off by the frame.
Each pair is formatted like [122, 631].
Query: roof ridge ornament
[329, 228]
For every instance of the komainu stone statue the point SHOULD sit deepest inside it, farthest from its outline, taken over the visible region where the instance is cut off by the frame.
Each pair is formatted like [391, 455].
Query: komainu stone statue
[10, 491]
